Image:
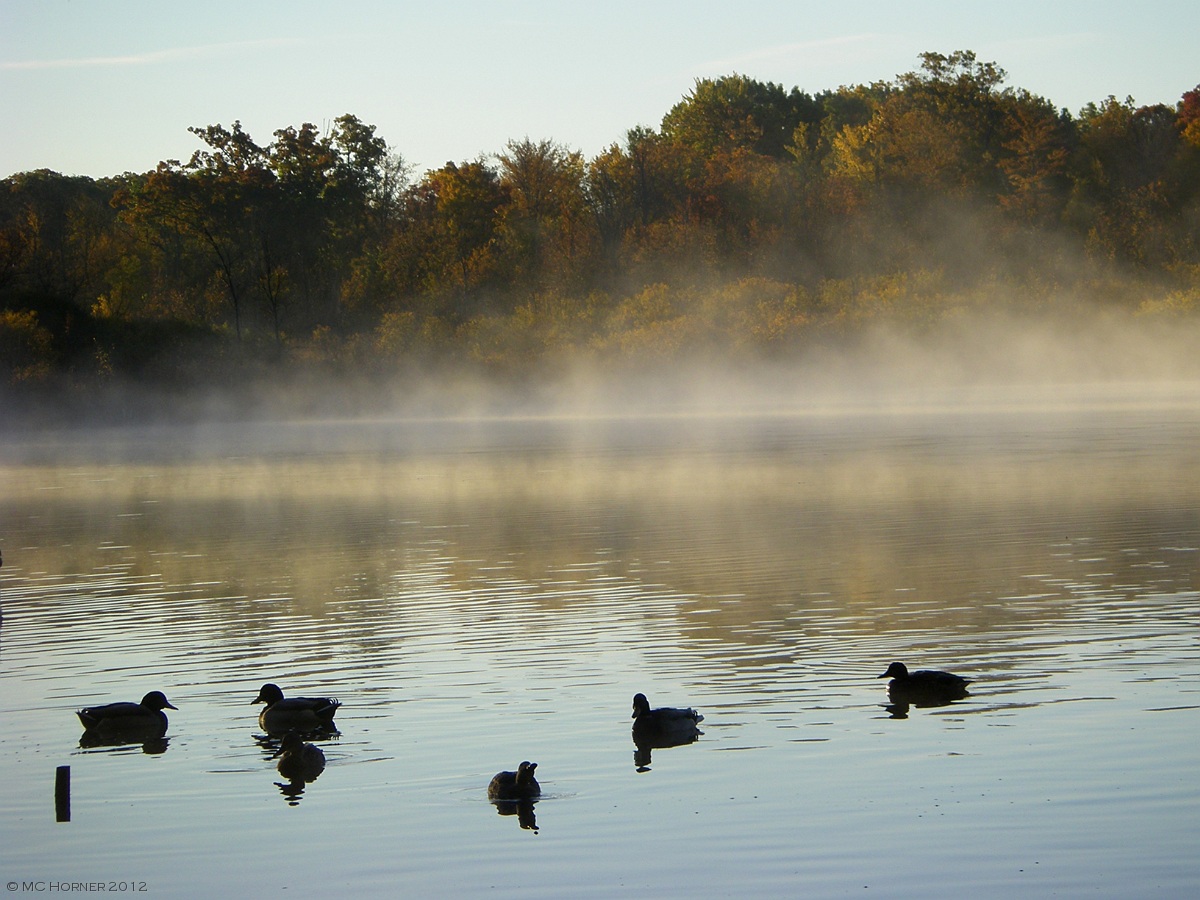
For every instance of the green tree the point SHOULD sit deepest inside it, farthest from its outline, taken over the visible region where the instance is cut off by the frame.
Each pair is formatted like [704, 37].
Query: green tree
[727, 135]
[738, 112]
[214, 200]
[281, 224]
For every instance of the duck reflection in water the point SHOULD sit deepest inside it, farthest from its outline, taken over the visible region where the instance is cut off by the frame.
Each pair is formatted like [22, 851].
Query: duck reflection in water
[522, 809]
[514, 794]
[299, 763]
[923, 688]
[272, 747]
[150, 746]
[118, 724]
[657, 729]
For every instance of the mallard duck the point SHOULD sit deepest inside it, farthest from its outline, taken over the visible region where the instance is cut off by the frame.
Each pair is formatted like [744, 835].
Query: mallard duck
[301, 714]
[137, 720]
[663, 724]
[518, 785]
[299, 761]
[925, 684]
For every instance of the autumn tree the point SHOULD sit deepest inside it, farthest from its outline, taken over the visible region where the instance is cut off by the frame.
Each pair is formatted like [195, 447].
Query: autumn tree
[545, 220]
[320, 244]
[940, 130]
[55, 234]
[631, 187]
[1188, 116]
[1037, 148]
[280, 223]
[1125, 179]
[461, 204]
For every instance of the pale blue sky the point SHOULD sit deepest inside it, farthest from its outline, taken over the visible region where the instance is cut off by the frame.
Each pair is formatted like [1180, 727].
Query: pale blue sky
[98, 88]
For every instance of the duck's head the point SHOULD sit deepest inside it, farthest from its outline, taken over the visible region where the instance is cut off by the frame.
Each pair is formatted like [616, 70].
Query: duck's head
[525, 772]
[268, 694]
[895, 670]
[640, 705]
[157, 700]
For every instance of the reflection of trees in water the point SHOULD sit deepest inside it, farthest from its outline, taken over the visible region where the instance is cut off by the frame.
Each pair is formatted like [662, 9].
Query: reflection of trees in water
[813, 535]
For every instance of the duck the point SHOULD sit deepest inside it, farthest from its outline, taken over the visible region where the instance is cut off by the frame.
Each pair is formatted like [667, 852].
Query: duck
[141, 720]
[298, 761]
[663, 724]
[303, 714]
[925, 685]
[518, 785]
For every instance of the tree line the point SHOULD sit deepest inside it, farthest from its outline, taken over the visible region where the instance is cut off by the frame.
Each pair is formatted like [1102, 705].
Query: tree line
[754, 220]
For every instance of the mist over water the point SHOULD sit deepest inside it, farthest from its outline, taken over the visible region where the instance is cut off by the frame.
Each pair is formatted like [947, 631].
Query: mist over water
[972, 359]
[976, 359]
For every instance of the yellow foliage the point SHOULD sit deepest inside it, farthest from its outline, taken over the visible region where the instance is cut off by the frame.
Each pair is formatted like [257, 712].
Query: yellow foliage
[852, 153]
[405, 332]
[903, 295]
[25, 346]
[1191, 133]
[661, 340]
[102, 308]
[758, 313]
[653, 304]
[1176, 303]
[395, 333]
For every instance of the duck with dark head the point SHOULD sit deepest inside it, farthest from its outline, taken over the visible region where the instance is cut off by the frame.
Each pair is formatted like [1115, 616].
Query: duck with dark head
[302, 714]
[667, 723]
[924, 687]
[126, 722]
[518, 785]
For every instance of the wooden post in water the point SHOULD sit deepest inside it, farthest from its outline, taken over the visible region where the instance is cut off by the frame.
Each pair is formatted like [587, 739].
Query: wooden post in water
[62, 794]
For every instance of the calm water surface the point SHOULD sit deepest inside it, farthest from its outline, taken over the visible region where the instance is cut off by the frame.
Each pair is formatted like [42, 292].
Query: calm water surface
[481, 593]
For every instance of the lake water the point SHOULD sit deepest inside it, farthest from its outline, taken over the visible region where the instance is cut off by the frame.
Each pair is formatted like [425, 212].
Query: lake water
[478, 593]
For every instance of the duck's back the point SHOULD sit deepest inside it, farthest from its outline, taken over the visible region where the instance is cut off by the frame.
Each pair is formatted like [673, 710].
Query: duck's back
[123, 719]
[927, 685]
[934, 678]
[91, 716]
[299, 714]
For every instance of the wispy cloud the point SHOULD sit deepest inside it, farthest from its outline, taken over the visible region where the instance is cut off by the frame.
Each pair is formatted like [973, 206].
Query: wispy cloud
[149, 58]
